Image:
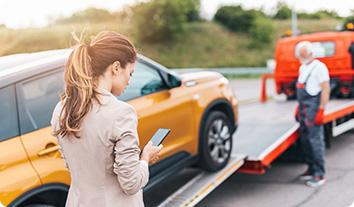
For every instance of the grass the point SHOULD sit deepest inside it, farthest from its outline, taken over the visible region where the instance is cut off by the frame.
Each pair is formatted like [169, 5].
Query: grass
[204, 44]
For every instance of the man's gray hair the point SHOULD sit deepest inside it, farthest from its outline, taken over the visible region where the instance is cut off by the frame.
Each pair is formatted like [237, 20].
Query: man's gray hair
[306, 44]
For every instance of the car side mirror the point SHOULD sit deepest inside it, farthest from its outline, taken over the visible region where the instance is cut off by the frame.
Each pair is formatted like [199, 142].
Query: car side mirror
[173, 81]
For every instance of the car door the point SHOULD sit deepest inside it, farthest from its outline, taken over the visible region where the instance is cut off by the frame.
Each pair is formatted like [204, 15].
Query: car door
[37, 98]
[16, 173]
[160, 107]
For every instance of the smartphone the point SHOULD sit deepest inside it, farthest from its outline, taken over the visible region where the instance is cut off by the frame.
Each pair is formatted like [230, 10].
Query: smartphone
[159, 136]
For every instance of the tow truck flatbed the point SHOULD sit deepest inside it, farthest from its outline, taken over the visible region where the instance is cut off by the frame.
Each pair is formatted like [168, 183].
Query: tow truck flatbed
[268, 129]
[263, 128]
[265, 131]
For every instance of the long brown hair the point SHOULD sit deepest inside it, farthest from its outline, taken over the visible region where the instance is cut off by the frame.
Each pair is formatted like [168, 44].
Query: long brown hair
[85, 64]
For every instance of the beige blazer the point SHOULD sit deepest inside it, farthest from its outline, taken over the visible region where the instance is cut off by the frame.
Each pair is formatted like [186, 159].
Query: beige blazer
[104, 163]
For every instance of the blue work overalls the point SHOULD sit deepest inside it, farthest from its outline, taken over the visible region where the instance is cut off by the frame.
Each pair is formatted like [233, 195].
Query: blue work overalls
[311, 135]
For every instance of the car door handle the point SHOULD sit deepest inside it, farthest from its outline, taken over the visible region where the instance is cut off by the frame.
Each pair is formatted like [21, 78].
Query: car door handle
[48, 150]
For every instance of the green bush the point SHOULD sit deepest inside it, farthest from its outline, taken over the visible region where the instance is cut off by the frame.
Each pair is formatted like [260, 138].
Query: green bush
[236, 18]
[193, 10]
[305, 15]
[253, 22]
[261, 32]
[321, 14]
[88, 15]
[283, 11]
[161, 20]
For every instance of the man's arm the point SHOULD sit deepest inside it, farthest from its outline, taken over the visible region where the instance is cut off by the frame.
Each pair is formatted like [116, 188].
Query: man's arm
[325, 94]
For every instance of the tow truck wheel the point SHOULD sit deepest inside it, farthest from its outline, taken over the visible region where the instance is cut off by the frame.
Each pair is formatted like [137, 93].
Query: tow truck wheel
[215, 142]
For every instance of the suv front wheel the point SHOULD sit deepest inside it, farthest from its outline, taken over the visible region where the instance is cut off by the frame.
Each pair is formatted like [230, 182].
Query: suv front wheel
[215, 141]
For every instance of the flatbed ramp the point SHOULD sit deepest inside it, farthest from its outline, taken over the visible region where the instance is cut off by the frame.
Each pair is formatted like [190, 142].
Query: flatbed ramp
[202, 184]
[265, 131]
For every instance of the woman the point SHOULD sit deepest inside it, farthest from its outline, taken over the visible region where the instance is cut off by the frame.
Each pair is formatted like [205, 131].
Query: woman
[96, 132]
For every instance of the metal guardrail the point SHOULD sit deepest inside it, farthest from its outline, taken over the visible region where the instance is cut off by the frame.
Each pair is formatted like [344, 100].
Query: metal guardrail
[227, 71]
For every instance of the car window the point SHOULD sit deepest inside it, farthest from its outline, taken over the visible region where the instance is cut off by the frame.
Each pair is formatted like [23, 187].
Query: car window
[323, 49]
[8, 113]
[37, 99]
[145, 80]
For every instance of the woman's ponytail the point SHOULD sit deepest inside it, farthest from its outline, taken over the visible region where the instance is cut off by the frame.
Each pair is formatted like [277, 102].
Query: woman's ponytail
[79, 89]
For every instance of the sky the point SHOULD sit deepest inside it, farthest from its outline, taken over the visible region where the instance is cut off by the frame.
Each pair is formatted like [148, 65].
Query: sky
[37, 13]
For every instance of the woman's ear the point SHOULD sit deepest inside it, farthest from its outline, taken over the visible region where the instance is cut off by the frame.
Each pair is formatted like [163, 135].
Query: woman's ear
[116, 67]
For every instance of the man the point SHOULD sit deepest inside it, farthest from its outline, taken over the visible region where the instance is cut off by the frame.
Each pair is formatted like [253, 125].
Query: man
[312, 94]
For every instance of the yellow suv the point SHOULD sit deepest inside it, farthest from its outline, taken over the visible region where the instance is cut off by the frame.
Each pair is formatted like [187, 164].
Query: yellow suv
[200, 109]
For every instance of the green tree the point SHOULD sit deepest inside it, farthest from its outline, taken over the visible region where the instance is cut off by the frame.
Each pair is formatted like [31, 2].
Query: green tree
[161, 20]
[283, 11]
[235, 18]
[193, 10]
[254, 22]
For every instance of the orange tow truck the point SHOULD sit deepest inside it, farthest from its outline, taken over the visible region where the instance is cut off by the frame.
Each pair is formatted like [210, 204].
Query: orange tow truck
[335, 49]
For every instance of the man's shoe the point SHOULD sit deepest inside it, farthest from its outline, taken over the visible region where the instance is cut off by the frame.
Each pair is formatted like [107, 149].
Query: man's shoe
[306, 176]
[316, 181]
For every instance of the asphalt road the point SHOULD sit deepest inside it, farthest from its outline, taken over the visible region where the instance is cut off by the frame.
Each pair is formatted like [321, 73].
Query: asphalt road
[279, 186]
[248, 90]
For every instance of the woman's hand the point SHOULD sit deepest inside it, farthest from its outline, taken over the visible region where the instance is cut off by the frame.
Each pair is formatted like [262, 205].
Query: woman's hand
[151, 153]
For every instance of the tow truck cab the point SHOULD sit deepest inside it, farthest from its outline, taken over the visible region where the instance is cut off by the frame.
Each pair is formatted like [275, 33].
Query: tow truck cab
[332, 48]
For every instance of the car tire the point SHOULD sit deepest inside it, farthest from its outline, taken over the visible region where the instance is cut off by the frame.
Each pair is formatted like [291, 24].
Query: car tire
[215, 145]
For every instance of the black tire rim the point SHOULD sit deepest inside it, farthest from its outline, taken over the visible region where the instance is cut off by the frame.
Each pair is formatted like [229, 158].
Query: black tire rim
[219, 141]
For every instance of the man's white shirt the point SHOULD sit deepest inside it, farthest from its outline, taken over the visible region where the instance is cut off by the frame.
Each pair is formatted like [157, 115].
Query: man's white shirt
[318, 75]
